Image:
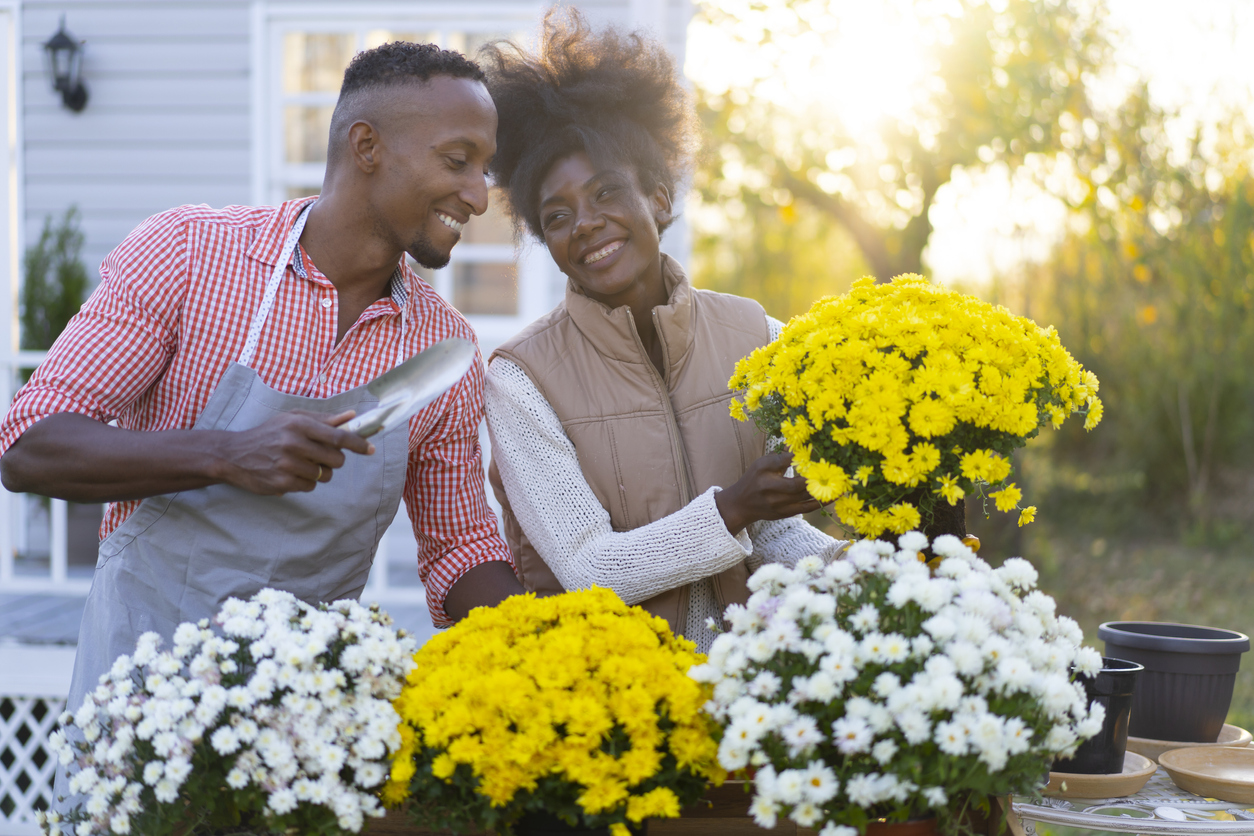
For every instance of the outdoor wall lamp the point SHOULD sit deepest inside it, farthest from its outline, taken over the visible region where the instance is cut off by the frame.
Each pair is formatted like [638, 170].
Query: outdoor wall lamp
[66, 55]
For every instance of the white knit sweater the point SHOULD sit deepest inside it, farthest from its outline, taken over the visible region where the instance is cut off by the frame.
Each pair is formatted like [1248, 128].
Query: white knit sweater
[571, 530]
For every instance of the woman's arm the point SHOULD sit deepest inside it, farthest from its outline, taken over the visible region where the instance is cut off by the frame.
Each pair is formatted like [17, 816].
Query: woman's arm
[567, 524]
[787, 541]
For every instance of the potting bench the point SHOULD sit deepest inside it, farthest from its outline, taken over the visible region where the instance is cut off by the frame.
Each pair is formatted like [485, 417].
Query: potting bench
[1159, 808]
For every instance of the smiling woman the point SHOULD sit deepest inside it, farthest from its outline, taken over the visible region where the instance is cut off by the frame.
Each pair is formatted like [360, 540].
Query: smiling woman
[615, 458]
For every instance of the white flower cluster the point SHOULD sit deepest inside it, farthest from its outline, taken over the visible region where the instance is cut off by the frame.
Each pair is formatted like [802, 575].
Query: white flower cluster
[284, 698]
[873, 687]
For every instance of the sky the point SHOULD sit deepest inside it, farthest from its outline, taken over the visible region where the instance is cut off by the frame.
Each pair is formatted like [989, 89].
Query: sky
[1196, 54]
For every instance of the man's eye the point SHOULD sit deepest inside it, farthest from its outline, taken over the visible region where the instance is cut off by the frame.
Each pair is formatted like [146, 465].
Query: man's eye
[456, 163]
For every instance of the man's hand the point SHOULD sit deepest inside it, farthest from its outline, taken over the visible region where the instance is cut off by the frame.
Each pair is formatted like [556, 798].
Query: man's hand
[290, 452]
[70, 456]
[764, 493]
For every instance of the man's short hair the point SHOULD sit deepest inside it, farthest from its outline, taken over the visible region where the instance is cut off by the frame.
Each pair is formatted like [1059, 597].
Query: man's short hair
[390, 65]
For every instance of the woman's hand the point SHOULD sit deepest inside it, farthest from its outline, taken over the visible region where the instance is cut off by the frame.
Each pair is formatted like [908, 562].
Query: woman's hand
[764, 493]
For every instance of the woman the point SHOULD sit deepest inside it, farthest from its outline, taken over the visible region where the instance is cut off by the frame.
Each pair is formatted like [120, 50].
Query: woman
[614, 454]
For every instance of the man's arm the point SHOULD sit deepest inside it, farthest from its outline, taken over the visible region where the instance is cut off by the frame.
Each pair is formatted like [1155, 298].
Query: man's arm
[462, 559]
[55, 439]
[71, 456]
[486, 585]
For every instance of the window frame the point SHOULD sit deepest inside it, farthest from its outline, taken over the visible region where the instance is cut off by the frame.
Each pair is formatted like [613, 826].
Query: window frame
[539, 286]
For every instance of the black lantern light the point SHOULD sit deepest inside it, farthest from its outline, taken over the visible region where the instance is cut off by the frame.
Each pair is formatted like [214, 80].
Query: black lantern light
[67, 61]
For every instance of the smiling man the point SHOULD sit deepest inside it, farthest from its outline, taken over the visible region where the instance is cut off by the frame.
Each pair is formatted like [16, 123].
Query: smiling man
[229, 346]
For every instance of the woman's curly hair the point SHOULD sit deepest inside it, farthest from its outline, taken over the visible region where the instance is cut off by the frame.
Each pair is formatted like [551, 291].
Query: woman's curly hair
[617, 97]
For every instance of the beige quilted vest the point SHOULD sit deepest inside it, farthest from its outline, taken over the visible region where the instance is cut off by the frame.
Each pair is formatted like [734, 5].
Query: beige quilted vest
[648, 443]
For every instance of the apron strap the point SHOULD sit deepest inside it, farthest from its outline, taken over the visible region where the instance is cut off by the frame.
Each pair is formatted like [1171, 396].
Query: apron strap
[272, 287]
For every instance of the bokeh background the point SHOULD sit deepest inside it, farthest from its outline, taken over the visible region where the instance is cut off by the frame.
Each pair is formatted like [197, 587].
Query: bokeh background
[1084, 163]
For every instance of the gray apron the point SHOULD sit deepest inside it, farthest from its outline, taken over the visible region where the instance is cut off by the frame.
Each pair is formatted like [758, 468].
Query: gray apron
[178, 557]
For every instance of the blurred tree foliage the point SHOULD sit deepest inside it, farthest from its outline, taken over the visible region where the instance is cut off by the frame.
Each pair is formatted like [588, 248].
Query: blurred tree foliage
[1153, 289]
[1006, 79]
[55, 283]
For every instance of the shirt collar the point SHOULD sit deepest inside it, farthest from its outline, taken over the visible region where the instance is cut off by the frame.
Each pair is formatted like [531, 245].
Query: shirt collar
[269, 246]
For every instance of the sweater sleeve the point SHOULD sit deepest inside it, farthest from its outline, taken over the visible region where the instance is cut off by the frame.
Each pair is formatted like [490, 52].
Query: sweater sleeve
[567, 524]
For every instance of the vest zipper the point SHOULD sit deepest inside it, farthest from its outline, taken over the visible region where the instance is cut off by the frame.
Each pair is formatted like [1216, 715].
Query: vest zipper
[677, 443]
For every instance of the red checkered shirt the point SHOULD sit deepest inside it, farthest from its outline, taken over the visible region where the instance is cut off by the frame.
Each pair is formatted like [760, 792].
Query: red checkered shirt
[172, 313]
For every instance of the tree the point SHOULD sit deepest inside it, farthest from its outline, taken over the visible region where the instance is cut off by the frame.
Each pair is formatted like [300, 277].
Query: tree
[55, 283]
[1005, 80]
[1153, 288]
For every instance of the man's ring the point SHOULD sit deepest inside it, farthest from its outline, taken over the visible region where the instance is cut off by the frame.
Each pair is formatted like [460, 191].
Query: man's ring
[318, 478]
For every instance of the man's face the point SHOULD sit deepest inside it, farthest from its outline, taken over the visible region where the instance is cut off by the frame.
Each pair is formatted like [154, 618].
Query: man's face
[436, 142]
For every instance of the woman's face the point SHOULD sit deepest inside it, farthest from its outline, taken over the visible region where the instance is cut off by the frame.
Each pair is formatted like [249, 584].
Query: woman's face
[602, 230]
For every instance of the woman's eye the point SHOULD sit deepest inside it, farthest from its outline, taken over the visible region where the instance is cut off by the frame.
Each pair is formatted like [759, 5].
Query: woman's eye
[456, 163]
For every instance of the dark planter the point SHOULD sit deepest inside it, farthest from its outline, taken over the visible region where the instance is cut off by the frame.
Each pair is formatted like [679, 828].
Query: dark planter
[547, 824]
[1113, 687]
[1186, 687]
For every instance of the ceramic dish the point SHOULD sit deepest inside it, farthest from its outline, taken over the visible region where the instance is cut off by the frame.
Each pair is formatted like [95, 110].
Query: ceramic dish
[1223, 772]
[1137, 769]
[1229, 735]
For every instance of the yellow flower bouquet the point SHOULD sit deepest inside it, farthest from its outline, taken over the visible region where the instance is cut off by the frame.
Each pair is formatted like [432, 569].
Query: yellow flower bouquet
[575, 706]
[896, 397]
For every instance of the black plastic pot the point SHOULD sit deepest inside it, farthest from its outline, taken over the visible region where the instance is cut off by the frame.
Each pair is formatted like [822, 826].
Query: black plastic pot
[1113, 687]
[547, 824]
[1186, 687]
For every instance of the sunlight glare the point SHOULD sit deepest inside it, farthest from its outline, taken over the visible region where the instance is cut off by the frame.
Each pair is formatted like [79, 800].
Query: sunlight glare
[856, 61]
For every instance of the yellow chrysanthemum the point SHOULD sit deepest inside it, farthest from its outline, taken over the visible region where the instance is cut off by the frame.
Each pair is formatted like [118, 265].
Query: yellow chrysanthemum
[1007, 498]
[1027, 515]
[880, 380]
[535, 688]
[949, 489]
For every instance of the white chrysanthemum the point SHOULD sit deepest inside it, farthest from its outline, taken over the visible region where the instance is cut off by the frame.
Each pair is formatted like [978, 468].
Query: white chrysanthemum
[852, 735]
[765, 812]
[1088, 662]
[884, 751]
[834, 829]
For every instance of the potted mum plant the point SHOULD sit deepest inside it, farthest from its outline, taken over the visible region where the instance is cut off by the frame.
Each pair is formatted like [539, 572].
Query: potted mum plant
[275, 717]
[898, 400]
[870, 689]
[572, 712]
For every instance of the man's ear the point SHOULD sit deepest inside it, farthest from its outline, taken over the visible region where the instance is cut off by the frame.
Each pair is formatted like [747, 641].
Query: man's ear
[363, 145]
[663, 212]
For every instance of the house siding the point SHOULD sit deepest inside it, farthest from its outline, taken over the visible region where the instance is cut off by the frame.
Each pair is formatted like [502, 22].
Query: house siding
[167, 123]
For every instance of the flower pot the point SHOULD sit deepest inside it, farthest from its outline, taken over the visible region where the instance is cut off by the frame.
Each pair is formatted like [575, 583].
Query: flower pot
[547, 824]
[914, 827]
[1113, 687]
[1186, 687]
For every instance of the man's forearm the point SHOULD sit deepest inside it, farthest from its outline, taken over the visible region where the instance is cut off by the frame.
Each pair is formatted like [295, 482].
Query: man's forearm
[485, 585]
[70, 456]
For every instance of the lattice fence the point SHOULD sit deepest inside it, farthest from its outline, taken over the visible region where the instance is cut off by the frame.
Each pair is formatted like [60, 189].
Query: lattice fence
[26, 764]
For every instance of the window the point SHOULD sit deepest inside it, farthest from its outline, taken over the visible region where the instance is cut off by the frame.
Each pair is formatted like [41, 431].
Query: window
[496, 286]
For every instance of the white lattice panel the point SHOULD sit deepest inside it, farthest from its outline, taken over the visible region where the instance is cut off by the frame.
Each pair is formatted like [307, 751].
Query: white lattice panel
[26, 764]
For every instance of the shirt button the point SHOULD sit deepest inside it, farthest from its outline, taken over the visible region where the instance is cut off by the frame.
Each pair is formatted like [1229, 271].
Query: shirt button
[322, 378]
[326, 303]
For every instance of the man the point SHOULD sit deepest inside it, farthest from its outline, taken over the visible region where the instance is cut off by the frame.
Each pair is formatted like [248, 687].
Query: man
[230, 345]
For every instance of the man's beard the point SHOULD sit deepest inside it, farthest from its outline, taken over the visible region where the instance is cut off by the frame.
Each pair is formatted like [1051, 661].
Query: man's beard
[424, 252]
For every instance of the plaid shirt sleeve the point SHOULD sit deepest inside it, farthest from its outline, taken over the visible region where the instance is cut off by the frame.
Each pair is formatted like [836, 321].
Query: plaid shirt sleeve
[444, 495]
[121, 340]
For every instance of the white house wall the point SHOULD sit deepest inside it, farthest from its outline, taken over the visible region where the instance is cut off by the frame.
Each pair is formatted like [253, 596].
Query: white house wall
[169, 119]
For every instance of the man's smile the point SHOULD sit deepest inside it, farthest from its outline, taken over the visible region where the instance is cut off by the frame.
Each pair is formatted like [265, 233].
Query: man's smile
[450, 222]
